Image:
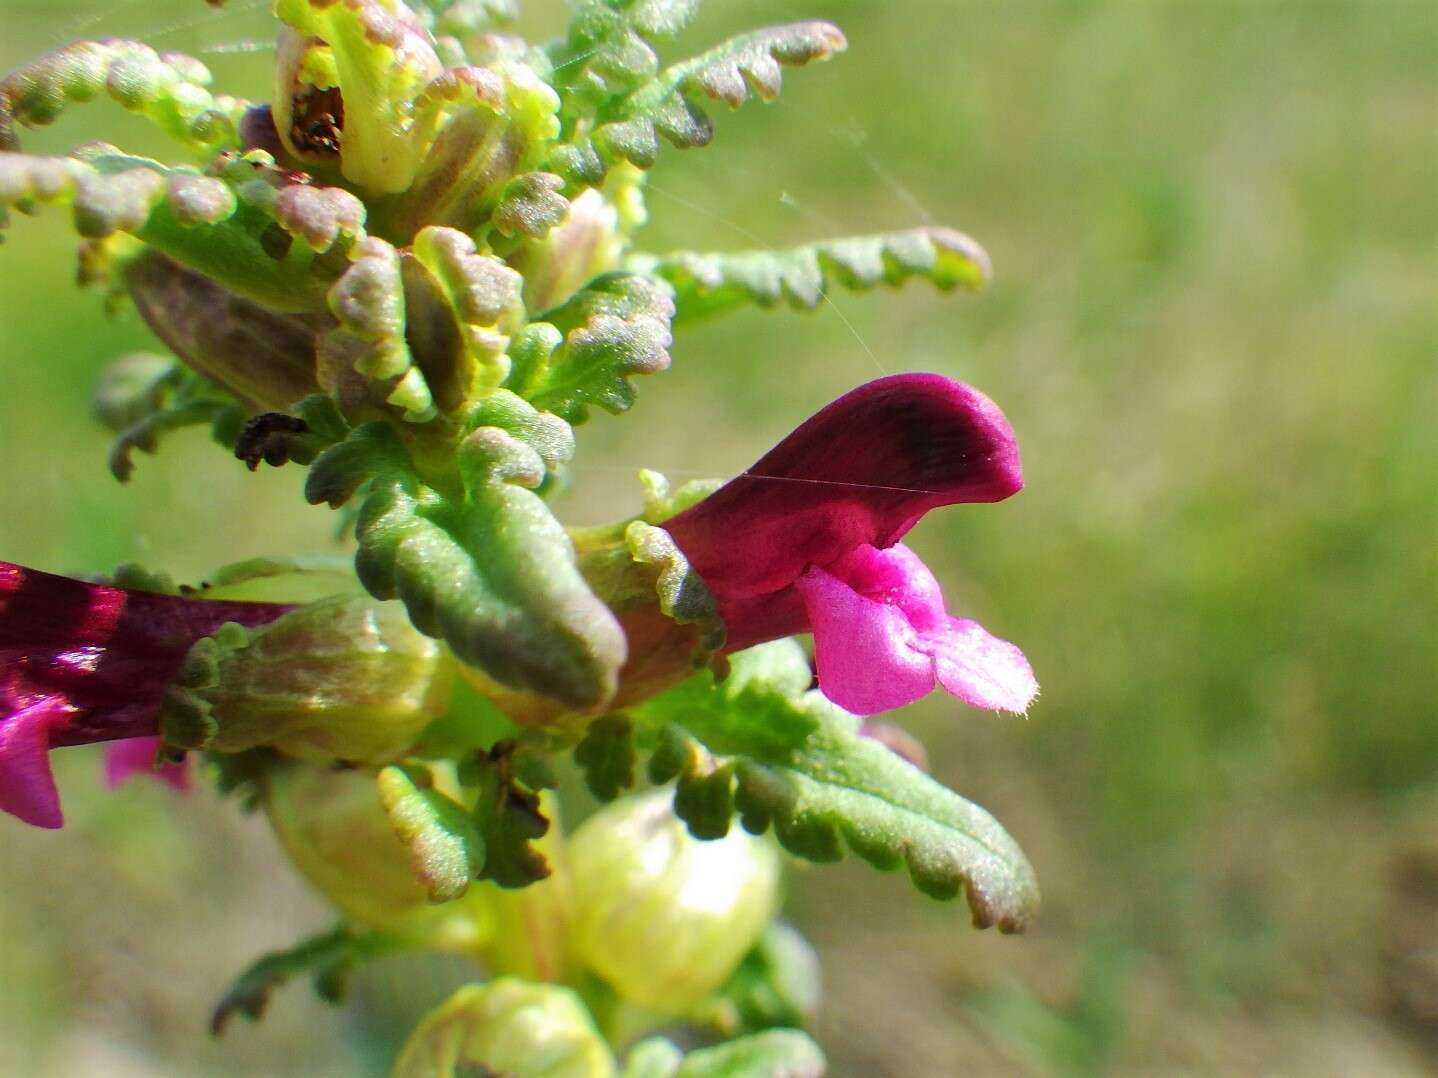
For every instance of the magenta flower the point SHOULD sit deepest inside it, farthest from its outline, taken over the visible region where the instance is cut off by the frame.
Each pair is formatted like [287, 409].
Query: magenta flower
[808, 540]
[82, 663]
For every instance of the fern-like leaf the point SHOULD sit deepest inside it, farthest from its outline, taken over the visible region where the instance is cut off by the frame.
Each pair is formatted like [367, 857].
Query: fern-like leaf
[668, 105]
[250, 227]
[169, 89]
[487, 569]
[761, 746]
[707, 284]
[584, 353]
[328, 958]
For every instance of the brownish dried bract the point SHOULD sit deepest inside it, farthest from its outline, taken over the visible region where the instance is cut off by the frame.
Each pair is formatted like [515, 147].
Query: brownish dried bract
[267, 437]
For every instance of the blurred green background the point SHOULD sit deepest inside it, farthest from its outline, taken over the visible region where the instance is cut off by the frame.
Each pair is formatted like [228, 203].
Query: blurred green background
[1214, 327]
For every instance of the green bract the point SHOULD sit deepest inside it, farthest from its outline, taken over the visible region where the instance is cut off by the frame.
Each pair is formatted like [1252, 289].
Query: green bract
[343, 678]
[333, 828]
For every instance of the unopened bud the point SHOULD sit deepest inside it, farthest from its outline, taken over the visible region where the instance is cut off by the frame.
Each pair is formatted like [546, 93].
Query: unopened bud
[332, 828]
[345, 678]
[662, 916]
[511, 1027]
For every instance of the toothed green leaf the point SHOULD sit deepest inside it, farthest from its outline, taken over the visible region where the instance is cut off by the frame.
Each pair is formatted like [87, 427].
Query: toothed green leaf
[583, 353]
[239, 228]
[489, 571]
[169, 89]
[607, 756]
[221, 415]
[668, 103]
[776, 985]
[509, 814]
[143, 397]
[370, 342]
[608, 49]
[460, 316]
[446, 849]
[327, 958]
[465, 17]
[798, 763]
[531, 205]
[370, 452]
[426, 328]
[707, 284]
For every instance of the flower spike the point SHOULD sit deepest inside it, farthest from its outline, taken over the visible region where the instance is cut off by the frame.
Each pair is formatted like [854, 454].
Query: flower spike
[414, 272]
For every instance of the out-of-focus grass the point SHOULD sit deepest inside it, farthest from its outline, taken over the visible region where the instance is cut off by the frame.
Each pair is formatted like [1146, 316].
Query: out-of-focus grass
[1214, 327]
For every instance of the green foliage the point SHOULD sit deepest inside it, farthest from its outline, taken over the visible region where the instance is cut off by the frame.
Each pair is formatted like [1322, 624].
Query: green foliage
[707, 284]
[169, 89]
[507, 782]
[406, 271]
[584, 352]
[608, 47]
[1163, 313]
[638, 104]
[143, 397]
[238, 226]
[463, 17]
[446, 849]
[778, 1051]
[785, 1052]
[607, 756]
[776, 985]
[327, 958]
[427, 326]
[531, 205]
[760, 746]
[487, 569]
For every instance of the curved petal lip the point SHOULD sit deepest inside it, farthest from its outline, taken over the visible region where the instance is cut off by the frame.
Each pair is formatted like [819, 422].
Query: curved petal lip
[980, 669]
[868, 656]
[27, 785]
